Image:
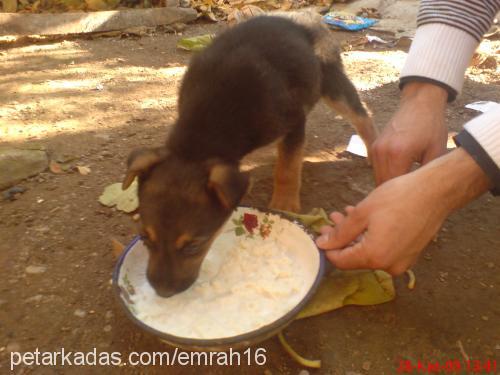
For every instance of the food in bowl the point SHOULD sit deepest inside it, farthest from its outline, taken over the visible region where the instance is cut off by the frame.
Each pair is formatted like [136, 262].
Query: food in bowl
[258, 269]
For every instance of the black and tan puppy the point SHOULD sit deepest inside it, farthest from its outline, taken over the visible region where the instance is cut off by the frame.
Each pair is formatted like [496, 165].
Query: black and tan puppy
[254, 85]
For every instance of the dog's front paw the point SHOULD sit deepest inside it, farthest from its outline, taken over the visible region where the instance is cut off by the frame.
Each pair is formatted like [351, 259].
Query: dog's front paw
[285, 204]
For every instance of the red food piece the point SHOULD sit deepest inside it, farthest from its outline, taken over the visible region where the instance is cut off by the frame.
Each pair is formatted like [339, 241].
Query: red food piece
[250, 222]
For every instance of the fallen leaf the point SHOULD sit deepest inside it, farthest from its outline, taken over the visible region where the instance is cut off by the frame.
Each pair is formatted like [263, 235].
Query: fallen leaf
[124, 200]
[117, 248]
[342, 288]
[101, 4]
[246, 12]
[195, 43]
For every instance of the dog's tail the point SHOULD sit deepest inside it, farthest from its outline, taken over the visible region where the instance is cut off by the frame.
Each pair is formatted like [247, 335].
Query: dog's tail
[326, 47]
[336, 88]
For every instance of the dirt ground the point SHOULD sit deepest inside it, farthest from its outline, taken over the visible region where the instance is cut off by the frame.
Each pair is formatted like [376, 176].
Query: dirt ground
[96, 100]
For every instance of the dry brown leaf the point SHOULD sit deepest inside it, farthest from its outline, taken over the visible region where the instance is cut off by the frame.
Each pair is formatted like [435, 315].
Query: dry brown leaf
[117, 248]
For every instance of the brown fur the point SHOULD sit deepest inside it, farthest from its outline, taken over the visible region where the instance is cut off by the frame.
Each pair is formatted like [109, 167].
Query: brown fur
[253, 86]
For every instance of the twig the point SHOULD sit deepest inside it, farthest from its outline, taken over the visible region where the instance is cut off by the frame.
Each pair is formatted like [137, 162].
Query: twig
[462, 350]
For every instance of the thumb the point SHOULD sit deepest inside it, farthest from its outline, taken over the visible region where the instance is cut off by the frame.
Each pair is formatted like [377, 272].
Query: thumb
[344, 233]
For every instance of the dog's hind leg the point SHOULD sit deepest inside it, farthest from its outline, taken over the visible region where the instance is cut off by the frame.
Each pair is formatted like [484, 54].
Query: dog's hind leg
[288, 170]
[340, 94]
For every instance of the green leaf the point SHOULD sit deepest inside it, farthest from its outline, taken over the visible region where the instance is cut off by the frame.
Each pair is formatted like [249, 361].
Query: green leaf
[239, 231]
[196, 43]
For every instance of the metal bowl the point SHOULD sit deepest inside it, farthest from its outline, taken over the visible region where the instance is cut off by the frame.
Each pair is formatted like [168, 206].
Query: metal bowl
[121, 288]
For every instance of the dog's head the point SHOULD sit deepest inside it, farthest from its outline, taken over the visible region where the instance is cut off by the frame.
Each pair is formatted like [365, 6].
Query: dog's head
[182, 205]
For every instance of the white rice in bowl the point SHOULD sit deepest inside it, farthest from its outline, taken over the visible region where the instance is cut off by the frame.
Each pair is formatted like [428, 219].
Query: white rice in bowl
[258, 269]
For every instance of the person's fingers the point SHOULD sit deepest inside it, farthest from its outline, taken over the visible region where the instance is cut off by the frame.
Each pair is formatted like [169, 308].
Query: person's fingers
[392, 154]
[344, 233]
[337, 217]
[326, 229]
[352, 257]
[349, 209]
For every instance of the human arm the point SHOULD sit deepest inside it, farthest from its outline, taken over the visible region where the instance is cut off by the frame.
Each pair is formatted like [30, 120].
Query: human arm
[393, 224]
[447, 35]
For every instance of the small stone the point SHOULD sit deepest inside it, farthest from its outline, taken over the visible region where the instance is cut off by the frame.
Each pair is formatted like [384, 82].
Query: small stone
[103, 136]
[107, 328]
[79, 313]
[303, 372]
[35, 269]
[17, 164]
[136, 217]
[178, 27]
[35, 299]
[109, 315]
[13, 193]
[485, 318]
[490, 265]
[366, 365]
[13, 347]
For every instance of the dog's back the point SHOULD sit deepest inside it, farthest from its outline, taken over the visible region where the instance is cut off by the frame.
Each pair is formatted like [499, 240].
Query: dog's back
[251, 86]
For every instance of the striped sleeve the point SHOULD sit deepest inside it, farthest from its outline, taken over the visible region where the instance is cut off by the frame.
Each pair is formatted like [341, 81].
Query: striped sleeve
[471, 16]
[481, 139]
[447, 35]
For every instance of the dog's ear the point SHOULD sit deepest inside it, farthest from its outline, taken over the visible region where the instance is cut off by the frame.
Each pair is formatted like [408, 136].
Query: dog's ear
[141, 161]
[228, 184]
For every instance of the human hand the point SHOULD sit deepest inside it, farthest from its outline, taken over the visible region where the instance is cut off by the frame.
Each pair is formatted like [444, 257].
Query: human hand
[392, 225]
[416, 133]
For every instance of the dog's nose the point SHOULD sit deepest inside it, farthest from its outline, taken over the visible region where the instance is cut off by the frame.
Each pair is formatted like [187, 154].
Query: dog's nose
[169, 291]
[165, 293]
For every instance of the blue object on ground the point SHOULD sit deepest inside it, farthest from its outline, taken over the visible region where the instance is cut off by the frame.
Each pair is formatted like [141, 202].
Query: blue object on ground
[348, 21]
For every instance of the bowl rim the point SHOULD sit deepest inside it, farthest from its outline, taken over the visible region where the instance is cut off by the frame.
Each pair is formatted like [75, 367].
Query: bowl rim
[261, 332]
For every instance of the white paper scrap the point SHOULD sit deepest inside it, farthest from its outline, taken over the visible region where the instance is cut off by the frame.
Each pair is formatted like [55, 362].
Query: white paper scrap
[374, 38]
[483, 106]
[356, 146]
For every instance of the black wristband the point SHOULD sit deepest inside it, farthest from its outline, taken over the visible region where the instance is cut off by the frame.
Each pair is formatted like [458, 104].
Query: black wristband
[452, 93]
[469, 144]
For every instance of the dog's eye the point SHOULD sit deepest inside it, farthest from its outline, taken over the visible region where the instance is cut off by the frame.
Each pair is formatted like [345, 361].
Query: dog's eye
[193, 247]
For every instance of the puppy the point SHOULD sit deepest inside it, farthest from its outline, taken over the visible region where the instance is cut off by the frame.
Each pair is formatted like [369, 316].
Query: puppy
[254, 85]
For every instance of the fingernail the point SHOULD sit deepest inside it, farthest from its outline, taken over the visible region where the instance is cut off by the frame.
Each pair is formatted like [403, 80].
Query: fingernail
[323, 239]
